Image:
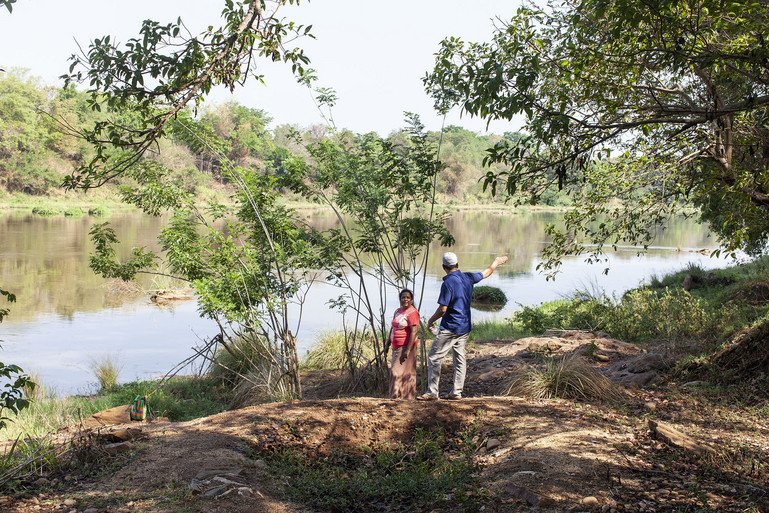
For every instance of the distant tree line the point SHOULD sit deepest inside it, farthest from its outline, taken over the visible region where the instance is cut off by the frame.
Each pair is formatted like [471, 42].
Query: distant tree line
[39, 143]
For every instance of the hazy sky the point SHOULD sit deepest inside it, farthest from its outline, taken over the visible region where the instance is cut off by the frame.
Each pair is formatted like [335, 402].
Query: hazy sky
[374, 53]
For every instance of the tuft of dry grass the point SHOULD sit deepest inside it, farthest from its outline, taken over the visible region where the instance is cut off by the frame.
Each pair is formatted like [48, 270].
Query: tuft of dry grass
[106, 369]
[333, 351]
[568, 377]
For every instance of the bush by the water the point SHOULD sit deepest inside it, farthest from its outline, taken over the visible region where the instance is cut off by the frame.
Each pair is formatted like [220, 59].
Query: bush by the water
[641, 315]
[486, 295]
[45, 212]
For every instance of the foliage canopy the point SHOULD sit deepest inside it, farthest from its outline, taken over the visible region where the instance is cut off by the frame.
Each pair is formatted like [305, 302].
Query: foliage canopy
[652, 103]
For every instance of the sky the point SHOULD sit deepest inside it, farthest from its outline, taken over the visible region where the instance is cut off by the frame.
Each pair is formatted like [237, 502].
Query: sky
[373, 54]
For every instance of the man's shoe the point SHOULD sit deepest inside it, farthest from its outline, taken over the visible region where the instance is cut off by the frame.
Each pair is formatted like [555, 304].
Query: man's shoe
[454, 397]
[427, 397]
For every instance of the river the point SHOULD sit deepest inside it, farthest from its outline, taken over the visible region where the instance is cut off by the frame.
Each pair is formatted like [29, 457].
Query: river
[66, 316]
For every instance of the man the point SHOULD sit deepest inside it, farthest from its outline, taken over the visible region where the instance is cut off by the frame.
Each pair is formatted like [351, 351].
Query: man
[454, 312]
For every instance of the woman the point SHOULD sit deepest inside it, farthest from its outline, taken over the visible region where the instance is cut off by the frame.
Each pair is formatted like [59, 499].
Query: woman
[403, 339]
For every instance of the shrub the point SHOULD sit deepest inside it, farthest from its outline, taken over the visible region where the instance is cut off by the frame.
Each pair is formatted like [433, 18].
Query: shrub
[489, 295]
[671, 315]
[44, 212]
[97, 212]
[569, 377]
[587, 313]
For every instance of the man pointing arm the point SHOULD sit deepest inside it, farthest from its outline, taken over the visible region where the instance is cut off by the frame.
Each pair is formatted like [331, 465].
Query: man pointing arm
[454, 331]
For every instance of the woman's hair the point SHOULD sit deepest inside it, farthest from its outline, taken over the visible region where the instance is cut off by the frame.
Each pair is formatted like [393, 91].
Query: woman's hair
[409, 292]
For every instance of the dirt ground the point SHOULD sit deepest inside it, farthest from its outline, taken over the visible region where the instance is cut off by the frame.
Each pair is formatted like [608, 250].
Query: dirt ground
[530, 455]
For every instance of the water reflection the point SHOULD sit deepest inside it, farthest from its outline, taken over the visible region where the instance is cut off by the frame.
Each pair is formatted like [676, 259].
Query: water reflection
[66, 315]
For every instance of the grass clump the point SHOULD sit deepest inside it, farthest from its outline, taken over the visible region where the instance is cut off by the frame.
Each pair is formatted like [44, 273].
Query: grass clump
[246, 365]
[567, 377]
[45, 212]
[106, 369]
[335, 351]
[97, 212]
[488, 298]
[503, 329]
[431, 472]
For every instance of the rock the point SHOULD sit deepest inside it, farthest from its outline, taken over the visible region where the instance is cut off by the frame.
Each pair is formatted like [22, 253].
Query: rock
[675, 438]
[230, 473]
[601, 357]
[492, 444]
[70, 502]
[590, 501]
[260, 464]
[224, 480]
[524, 474]
[215, 491]
[197, 486]
[124, 435]
[118, 448]
[523, 494]
[638, 371]
[41, 482]
[91, 510]
[693, 384]
[651, 406]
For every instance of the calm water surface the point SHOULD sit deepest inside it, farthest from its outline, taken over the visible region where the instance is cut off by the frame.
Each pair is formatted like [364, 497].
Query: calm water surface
[66, 316]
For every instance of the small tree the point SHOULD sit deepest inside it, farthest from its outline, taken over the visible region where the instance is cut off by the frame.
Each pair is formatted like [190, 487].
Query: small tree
[382, 193]
[247, 266]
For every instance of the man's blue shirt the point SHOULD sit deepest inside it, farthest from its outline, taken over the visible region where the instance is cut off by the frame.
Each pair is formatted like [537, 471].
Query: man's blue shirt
[456, 293]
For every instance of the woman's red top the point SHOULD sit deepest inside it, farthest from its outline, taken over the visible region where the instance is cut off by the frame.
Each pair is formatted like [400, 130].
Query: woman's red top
[402, 319]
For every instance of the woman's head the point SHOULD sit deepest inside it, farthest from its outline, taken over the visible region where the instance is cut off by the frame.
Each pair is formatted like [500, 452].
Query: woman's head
[406, 297]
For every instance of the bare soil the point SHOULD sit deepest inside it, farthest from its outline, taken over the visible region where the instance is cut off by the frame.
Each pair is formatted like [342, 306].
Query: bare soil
[530, 455]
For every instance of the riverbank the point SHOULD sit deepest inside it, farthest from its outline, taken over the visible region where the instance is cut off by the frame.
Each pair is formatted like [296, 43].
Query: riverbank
[487, 452]
[107, 199]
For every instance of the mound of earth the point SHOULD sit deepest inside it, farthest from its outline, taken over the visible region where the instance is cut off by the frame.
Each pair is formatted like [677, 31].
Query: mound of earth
[492, 365]
[527, 455]
[542, 456]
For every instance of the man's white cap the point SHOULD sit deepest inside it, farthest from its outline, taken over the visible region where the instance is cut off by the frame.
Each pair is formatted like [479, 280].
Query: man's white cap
[450, 259]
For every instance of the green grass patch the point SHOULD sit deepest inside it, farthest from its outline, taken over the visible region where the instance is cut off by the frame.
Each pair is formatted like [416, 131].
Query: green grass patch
[180, 398]
[692, 311]
[74, 212]
[431, 472]
[503, 329]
